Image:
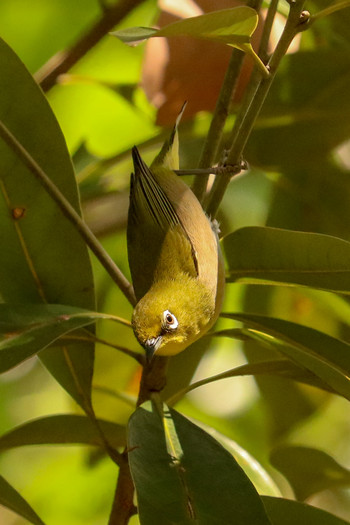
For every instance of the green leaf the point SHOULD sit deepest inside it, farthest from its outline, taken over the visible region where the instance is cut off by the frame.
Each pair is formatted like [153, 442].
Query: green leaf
[287, 512]
[99, 129]
[45, 260]
[28, 328]
[11, 499]
[230, 26]
[261, 480]
[134, 34]
[63, 429]
[306, 113]
[323, 355]
[271, 254]
[309, 470]
[199, 482]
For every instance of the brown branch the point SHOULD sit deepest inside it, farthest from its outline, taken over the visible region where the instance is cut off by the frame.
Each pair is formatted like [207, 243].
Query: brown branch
[63, 60]
[123, 504]
[153, 380]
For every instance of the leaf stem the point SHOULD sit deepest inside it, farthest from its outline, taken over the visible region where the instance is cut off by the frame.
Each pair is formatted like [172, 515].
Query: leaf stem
[252, 104]
[330, 10]
[260, 368]
[70, 212]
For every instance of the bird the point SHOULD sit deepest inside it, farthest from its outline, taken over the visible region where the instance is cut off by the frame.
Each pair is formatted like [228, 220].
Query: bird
[174, 256]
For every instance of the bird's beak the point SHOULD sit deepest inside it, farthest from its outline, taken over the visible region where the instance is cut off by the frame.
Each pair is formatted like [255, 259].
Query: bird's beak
[151, 346]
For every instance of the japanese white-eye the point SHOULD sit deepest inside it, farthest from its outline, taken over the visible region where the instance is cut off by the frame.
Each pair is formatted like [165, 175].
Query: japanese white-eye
[174, 257]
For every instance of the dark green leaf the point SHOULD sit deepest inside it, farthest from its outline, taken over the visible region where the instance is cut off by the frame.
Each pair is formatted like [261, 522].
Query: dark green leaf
[288, 512]
[185, 476]
[306, 113]
[66, 429]
[10, 498]
[43, 258]
[285, 256]
[28, 328]
[309, 470]
[323, 355]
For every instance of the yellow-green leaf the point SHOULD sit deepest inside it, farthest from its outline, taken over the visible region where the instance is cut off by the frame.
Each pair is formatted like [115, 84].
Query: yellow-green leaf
[232, 26]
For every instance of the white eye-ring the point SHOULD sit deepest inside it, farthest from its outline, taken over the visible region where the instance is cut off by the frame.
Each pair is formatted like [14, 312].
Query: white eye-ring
[169, 321]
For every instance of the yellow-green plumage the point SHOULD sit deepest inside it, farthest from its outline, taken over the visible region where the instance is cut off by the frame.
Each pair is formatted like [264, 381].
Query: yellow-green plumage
[174, 257]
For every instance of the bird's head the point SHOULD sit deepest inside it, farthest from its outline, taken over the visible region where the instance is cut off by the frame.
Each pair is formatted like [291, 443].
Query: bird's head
[172, 315]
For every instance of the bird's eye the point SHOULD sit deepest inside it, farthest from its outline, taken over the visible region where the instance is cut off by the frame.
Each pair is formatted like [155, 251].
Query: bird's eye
[169, 321]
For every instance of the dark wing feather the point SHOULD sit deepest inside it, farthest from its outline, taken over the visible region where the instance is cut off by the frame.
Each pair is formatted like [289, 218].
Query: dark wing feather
[147, 198]
[151, 217]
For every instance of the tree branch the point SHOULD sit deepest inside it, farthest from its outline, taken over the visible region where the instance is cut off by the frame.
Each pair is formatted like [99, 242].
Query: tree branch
[70, 212]
[61, 62]
[123, 504]
[257, 92]
[213, 139]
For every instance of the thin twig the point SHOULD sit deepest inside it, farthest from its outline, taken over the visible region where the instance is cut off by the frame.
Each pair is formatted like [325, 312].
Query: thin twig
[63, 61]
[217, 170]
[140, 358]
[213, 139]
[69, 212]
[121, 396]
[330, 10]
[266, 34]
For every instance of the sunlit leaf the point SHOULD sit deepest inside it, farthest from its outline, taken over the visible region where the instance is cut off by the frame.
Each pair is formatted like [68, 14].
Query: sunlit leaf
[100, 128]
[309, 470]
[325, 356]
[230, 26]
[27, 329]
[201, 482]
[285, 256]
[63, 429]
[11, 499]
[45, 259]
[227, 25]
[261, 479]
[288, 512]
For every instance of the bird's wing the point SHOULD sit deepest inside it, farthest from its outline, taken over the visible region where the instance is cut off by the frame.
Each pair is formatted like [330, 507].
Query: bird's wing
[147, 199]
[152, 220]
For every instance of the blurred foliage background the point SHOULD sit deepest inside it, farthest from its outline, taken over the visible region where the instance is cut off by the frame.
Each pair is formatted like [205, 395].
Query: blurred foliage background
[116, 96]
